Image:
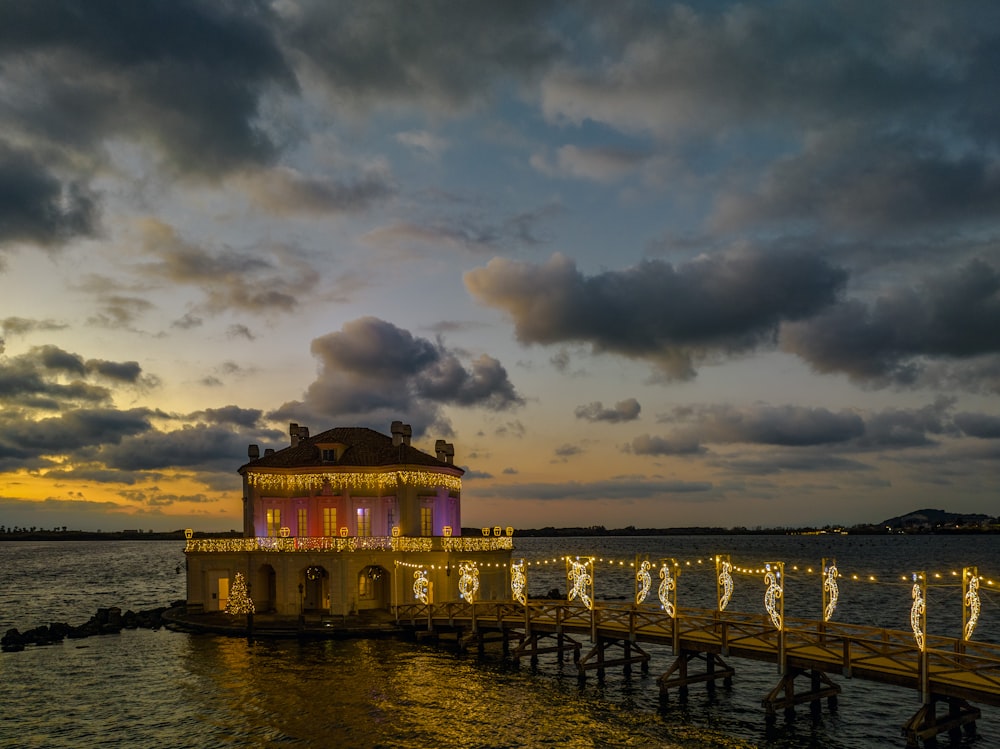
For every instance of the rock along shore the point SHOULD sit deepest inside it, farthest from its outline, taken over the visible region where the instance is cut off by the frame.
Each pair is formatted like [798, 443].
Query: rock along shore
[107, 621]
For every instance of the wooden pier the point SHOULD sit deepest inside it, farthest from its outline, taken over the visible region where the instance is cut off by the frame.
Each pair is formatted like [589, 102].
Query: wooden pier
[948, 672]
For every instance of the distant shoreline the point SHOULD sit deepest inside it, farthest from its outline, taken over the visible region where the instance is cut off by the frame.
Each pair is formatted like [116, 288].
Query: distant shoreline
[547, 532]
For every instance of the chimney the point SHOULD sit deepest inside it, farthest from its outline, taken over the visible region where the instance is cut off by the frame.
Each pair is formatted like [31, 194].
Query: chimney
[297, 433]
[268, 451]
[449, 454]
[397, 433]
[439, 450]
[407, 433]
[253, 452]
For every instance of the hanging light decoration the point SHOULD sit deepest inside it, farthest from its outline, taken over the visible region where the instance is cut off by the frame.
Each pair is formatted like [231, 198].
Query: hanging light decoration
[643, 581]
[918, 610]
[772, 596]
[421, 587]
[468, 581]
[830, 591]
[668, 588]
[581, 580]
[519, 582]
[970, 602]
[724, 578]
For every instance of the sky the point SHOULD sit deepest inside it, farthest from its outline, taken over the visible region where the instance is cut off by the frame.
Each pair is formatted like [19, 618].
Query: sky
[650, 264]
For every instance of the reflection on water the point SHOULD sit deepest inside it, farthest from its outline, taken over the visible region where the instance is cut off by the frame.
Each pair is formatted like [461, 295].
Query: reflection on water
[175, 690]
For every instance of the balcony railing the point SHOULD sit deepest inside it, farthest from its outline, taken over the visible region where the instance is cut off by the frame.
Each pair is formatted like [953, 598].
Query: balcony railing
[351, 543]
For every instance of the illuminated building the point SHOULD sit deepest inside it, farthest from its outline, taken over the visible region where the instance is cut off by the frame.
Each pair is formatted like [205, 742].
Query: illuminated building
[337, 524]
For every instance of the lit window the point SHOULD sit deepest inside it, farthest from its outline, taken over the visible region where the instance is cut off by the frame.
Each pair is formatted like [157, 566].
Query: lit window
[329, 521]
[303, 526]
[426, 521]
[364, 521]
[273, 521]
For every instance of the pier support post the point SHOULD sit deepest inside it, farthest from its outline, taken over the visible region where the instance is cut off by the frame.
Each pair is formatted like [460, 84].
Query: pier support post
[925, 725]
[784, 696]
[679, 675]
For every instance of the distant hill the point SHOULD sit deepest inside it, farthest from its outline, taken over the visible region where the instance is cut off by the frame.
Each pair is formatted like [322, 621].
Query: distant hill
[933, 518]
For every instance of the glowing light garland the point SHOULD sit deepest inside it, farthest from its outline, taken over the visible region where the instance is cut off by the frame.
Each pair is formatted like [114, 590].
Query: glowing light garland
[312, 544]
[643, 580]
[725, 571]
[832, 593]
[668, 584]
[378, 481]
[519, 582]
[239, 601]
[421, 586]
[971, 603]
[772, 577]
[581, 581]
[917, 611]
[475, 543]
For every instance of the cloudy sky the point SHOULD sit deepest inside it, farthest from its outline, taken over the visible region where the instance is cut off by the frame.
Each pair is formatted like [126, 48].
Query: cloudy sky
[644, 263]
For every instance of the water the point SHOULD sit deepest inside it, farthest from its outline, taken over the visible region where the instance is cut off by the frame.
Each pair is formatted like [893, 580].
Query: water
[167, 689]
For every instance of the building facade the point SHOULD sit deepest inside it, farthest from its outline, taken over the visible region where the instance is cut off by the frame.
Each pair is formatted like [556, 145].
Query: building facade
[345, 521]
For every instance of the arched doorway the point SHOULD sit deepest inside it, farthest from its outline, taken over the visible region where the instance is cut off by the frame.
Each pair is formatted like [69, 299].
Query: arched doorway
[315, 590]
[264, 591]
[373, 588]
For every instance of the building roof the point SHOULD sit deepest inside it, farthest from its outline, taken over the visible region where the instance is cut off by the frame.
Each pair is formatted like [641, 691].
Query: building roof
[363, 448]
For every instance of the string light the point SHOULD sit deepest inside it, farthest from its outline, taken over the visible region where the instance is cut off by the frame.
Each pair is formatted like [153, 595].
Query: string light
[364, 480]
[476, 543]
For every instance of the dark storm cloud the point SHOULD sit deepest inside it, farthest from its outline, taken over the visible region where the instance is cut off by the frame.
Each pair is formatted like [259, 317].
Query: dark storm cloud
[260, 280]
[36, 206]
[626, 410]
[283, 191]
[128, 371]
[446, 50]
[202, 446]
[671, 316]
[374, 371]
[864, 180]
[616, 489]
[953, 315]
[185, 75]
[248, 418]
[769, 425]
[24, 325]
[983, 426]
[646, 444]
[73, 430]
[868, 115]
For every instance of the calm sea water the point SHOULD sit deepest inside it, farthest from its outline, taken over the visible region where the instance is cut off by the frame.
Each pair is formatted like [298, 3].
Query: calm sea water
[167, 689]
